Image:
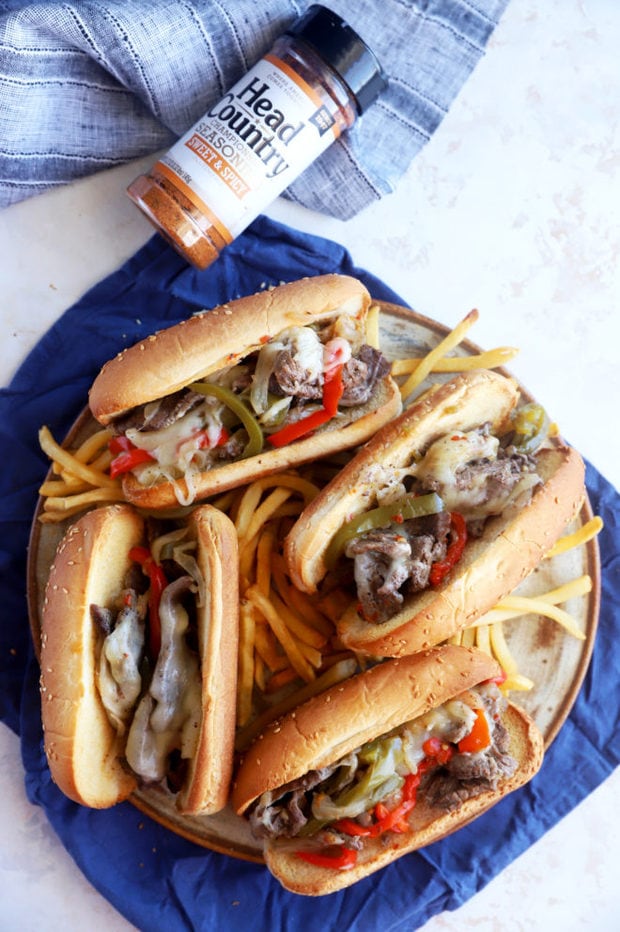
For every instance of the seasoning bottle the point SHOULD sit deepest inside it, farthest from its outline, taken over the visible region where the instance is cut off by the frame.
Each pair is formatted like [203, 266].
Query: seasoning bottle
[313, 84]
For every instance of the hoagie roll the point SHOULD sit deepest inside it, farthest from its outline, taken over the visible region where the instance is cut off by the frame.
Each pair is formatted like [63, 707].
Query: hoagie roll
[443, 513]
[245, 390]
[139, 659]
[390, 761]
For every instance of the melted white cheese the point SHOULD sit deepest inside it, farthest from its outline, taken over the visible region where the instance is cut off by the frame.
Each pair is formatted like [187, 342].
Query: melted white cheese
[119, 681]
[169, 714]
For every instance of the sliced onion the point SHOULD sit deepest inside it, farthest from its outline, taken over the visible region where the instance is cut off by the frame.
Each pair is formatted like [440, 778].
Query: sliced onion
[276, 413]
[259, 392]
[190, 565]
[161, 543]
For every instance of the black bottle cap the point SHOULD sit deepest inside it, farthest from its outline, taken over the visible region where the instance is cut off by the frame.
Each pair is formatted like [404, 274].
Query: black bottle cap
[343, 50]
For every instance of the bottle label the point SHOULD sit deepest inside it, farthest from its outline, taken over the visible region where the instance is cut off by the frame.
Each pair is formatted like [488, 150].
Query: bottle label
[250, 145]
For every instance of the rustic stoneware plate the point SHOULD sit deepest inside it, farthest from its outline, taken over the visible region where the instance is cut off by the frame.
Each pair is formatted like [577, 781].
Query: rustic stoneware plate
[554, 660]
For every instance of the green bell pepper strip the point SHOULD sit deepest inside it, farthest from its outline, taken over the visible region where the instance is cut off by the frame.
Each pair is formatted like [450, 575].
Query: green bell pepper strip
[531, 425]
[254, 445]
[395, 820]
[410, 506]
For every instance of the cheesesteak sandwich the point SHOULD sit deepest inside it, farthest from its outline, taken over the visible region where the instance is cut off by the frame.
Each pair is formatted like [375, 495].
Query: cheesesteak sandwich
[244, 390]
[394, 759]
[139, 659]
[443, 513]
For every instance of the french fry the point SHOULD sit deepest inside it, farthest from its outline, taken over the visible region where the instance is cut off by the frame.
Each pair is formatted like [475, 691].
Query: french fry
[582, 535]
[264, 553]
[93, 445]
[250, 499]
[289, 645]
[245, 676]
[60, 488]
[442, 349]
[303, 633]
[500, 650]
[291, 509]
[280, 679]
[247, 559]
[266, 647]
[334, 604]
[70, 463]
[265, 511]
[537, 606]
[308, 490]
[490, 359]
[260, 673]
[102, 462]
[312, 654]
[546, 604]
[225, 501]
[245, 508]
[483, 639]
[372, 326]
[518, 683]
[73, 503]
[510, 608]
[297, 600]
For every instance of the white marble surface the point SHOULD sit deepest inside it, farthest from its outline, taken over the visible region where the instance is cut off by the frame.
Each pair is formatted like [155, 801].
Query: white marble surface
[511, 208]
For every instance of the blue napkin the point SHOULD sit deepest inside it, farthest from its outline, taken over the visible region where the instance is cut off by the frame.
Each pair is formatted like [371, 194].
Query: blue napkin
[156, 879]
[86, 85]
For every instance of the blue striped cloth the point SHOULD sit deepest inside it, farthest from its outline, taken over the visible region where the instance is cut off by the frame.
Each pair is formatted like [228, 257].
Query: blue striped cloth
[88, 85]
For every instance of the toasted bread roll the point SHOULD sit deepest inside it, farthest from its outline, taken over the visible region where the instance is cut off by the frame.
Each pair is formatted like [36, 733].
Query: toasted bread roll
[508, 532]
[424, 700]
[103, 704]
[272, 358]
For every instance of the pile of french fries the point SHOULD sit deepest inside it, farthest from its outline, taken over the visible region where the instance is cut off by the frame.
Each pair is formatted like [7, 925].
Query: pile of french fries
[288, 648]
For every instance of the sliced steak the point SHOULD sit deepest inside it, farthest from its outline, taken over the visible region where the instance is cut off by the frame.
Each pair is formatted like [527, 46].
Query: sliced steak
[497, 477]
[389, 563]
[290, 377]
[467, 775]
[284, 812]
[360, 375]
[157, 415]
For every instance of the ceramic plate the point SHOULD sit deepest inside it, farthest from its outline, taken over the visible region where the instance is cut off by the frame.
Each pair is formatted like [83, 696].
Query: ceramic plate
[555, 661]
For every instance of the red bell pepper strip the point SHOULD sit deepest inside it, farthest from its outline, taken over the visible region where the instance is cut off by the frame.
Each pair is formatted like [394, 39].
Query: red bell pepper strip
[479, 737]
[454, 553]
[125, 462]
[158, 583]
[351, 827]
[386, 820]
[205, 439]
[127, 456]
[343, 859]
[119, 444]
[333, 389]
[281, 438]
[394, 820]
[437, 752]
